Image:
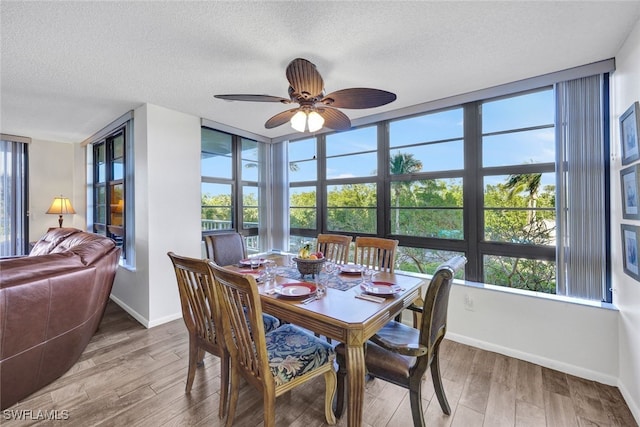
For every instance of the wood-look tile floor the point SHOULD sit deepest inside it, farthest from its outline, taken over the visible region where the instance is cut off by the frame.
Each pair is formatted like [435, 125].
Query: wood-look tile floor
[132, 376]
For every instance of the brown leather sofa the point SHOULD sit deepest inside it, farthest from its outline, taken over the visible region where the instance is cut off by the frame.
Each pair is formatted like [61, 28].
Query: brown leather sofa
[51, 304]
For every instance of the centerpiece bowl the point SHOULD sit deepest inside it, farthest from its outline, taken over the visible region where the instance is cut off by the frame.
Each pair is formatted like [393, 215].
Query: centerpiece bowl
[309, 266]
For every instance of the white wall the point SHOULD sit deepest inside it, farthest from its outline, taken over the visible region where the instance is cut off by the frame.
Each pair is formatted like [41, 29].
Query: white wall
[167, 200]
[626, 291]
[573, 338]
[53, 170]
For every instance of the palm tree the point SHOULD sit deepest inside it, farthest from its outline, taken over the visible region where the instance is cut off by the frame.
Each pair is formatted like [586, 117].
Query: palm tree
[401, 164]
[529, 183]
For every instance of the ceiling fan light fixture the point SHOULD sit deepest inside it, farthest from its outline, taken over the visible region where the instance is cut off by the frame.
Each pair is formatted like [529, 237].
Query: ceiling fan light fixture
[315, 121]
[316, 110]
[299, 121]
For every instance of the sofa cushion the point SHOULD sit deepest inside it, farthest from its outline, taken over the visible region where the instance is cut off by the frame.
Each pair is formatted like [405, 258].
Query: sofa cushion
[51, 239]
[88, 246]
[20, 270]
[92, 250]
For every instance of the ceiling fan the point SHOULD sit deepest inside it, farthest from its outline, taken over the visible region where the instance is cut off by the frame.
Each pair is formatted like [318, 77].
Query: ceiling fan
[316, 109]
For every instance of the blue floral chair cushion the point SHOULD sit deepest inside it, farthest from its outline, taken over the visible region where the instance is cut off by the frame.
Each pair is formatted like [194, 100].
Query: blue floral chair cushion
[293, 352]
[270, 323]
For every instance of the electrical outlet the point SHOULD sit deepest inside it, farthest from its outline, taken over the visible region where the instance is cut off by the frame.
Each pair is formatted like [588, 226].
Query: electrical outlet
[468, 302]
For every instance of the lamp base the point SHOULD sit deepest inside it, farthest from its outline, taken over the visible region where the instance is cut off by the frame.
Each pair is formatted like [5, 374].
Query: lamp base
[60, 221]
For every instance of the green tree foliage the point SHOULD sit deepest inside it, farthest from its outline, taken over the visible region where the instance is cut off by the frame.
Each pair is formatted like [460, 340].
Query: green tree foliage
[401, 164]
[428, 208]
[217, 208]
[518, 211]
[352, 207]
[302, 212]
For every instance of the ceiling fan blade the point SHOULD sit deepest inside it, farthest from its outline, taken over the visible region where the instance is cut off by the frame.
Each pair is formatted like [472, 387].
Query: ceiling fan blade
[360, 97]
[304, 78]
[254, 98]
[280, 118]
[335, 119]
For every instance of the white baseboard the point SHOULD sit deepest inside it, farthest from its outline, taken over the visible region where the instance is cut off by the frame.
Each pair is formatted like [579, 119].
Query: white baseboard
[539, 360]
[143, 320]
[633, 406]
[165, 319]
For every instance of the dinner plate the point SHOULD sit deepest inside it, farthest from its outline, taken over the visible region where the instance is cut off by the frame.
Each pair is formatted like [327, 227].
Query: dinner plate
[351, 269]
[381, 288]
[301, 289]
[247, 261]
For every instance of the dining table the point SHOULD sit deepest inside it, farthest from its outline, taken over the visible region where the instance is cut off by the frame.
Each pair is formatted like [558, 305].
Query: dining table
[345, 313]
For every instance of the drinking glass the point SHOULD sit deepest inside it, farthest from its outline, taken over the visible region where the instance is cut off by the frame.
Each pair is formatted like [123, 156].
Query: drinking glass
[269, 269]
[330, 268]
[254, 261]
[367, 275]
[321, 285]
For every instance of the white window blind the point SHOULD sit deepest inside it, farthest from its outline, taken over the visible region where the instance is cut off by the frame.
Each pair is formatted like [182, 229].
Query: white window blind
[581, 255]
[14, 224]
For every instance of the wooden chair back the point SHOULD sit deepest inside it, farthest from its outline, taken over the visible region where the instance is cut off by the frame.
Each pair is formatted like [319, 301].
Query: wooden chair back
[376, 252]
[244, 331]
[225, 248]
[245, 339]
[433, 326]
[401, 355]
[335, 247]
[202, 316]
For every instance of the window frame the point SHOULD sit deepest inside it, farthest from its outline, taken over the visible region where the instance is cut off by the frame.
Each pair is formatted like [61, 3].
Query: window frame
[122, 237]
[237, 184]
[474, 245]
[17, 213]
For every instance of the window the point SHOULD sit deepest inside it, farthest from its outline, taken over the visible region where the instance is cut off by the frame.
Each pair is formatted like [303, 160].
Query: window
[109, 184]
[518, 153]
[230, 187]
[218, 186]
[303, 191]
[14, 220]
[478, 179]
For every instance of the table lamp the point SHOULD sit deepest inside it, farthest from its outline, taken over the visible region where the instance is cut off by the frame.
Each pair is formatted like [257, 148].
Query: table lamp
[60, 206]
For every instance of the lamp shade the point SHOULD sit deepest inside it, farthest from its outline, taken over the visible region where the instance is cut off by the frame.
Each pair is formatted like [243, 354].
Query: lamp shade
[303, 120]
[61, 205]
[315, 121]
[299, 121]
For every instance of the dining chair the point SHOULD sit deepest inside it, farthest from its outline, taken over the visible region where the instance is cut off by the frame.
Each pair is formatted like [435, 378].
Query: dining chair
[335, 247]
[225, 248]
[376, 252]
[273, 362]
[202, 316]
[401, 354]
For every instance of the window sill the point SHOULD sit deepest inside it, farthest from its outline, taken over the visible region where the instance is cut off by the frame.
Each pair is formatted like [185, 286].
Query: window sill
[127, 267]
[530, 294]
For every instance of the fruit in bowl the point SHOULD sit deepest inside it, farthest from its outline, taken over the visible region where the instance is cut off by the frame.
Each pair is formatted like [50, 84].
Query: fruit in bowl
[305, 253]
[309, 262]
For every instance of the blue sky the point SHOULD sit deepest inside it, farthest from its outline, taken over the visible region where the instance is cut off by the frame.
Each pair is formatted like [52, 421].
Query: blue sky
[534, 146]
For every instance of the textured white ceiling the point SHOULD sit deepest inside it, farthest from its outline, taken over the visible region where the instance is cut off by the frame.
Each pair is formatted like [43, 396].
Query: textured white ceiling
[70, 68]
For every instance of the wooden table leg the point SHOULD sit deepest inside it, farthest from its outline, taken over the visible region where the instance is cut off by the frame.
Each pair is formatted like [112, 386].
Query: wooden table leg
[355, 383]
